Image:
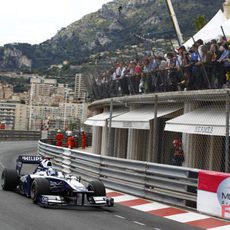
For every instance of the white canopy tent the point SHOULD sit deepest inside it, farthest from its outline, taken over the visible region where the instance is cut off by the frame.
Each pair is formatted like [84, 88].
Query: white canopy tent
[212, 30]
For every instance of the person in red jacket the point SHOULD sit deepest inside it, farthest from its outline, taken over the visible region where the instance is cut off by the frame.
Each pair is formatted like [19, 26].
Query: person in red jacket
[83, 140]
[178, 153]
[59, 138]
[71, 143]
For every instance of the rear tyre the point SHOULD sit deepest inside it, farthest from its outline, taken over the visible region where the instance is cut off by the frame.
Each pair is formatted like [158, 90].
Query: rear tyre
[9, 179]
[40, 186]
[97, 187]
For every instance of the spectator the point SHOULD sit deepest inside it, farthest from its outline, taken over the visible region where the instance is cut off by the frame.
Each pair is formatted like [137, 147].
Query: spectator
[172, 72]
[123, 79]
[200, 44]
[59, 138]
[145, 77]
[131, 77]
[155, 78]
[213, 55]
[214, 52]
[184, 67]
[223, 64]
[224, 53]
[199, 71]
[222, 40]
[137, 71]
[71, 143]
[177, 152]
[163, 73]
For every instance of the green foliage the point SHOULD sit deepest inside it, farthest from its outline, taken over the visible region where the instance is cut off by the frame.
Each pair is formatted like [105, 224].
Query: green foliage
[199, 23]
[19, 84]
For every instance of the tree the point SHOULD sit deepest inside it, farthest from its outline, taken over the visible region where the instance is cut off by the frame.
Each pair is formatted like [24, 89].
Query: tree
[199, 23]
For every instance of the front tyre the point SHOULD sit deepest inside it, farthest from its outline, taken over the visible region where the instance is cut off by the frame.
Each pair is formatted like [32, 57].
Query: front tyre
[40, 186]
[9, 179]
[97, 187]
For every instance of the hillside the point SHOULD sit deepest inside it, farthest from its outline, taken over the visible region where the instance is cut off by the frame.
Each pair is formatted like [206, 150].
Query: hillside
[112, 27]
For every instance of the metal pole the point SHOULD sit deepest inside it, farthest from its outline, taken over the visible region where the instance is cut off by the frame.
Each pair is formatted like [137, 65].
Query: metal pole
[222, 29]
[227, 133]
[155, 134]
[109, 142]
[175, 22]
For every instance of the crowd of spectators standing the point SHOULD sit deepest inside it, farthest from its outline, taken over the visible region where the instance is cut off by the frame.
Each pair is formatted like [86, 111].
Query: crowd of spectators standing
[203, 66]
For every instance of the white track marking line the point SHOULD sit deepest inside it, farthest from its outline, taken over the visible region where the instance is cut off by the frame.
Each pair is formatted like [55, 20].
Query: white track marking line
[121, 217]
[139, 223]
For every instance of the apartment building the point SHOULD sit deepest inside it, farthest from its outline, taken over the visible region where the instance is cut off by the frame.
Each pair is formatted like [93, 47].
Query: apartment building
[13, 116]
[57, 117]
[80, 87]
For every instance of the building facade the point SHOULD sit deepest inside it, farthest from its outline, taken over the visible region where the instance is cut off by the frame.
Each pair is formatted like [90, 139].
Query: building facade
[13, 116]
[80, 88]
[226, 7]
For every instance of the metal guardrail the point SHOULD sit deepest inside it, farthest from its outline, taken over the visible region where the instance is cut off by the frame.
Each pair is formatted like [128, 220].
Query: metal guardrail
[19, 135]
[164, 183]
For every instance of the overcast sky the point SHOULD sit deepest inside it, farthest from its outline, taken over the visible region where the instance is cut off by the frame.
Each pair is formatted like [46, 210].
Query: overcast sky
[34, 21]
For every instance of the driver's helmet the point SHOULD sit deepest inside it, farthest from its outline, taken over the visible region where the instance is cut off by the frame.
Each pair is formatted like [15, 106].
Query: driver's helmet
[69, 133]
[52, 172]
[46, 164]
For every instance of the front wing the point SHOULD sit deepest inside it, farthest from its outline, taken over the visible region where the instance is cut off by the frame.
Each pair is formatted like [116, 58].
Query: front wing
[79, 200]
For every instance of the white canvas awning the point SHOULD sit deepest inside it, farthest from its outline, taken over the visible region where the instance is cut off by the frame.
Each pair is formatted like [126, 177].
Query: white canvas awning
[140, 118]
[101, 119]
[209, 120]
[212, 30]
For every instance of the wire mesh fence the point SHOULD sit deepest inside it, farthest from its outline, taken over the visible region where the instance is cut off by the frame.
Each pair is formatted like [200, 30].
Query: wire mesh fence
[202, 128]
[197, 121]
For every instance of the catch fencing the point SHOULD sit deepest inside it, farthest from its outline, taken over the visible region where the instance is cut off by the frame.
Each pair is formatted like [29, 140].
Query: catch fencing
[164, 183]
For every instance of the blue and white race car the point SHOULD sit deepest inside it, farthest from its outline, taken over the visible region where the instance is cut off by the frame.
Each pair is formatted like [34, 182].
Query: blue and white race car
[48, 187]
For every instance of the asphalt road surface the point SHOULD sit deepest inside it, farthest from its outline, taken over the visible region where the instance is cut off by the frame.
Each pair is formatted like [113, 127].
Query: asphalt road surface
[19, 213]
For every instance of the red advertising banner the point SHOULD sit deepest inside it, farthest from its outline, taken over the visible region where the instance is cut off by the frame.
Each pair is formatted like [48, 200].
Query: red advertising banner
[213, 195]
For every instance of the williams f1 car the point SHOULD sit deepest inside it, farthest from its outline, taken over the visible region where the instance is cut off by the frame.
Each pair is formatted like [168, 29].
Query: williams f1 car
[47, 186]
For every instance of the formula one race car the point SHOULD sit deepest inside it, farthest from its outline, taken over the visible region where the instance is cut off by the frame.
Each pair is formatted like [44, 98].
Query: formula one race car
[48, 187]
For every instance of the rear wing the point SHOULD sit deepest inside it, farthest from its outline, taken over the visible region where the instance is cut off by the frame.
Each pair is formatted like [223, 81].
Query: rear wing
[26, 159]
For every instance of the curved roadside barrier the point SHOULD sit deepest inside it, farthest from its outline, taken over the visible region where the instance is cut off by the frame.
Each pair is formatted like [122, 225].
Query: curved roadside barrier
[8, 135]
[163, 183]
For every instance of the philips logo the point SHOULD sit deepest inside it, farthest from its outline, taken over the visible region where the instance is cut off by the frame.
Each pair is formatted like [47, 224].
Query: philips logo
[31, 158]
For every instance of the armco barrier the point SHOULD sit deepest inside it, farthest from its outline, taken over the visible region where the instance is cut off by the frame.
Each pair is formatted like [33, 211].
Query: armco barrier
[19, 135]
[164, 183]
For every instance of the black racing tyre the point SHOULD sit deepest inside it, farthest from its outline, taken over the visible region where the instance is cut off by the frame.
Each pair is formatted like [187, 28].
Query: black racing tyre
[98, 188]
[9, 179]
[40, 186]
